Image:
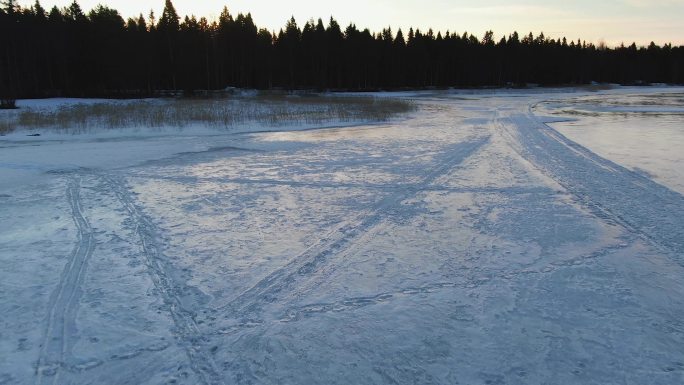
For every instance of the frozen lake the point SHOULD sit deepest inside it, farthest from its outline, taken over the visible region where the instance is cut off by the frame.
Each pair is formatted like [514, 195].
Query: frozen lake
[641, 131]
[466, 243]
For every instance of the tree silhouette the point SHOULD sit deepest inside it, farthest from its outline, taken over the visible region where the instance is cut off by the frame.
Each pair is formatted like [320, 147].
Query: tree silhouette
[72, 53]
[169, 21]
[167, 33]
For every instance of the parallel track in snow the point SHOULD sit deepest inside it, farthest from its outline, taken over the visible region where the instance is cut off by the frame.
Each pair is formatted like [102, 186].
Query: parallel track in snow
[187, 331]
[612, 192]
[298, 313]
[334, 185]
[245, 309]
[56, 347]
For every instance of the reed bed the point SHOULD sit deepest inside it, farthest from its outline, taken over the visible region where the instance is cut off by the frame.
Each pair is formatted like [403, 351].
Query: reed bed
[225, 113]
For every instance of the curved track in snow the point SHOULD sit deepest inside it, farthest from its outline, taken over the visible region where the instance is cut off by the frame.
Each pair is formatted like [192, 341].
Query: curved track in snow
[610, 191]
[56, 349]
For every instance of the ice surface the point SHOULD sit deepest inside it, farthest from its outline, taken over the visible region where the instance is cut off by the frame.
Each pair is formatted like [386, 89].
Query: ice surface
[470, 243]
[644, 132]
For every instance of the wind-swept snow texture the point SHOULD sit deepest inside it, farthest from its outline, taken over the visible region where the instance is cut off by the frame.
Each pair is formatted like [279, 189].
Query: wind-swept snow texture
[471, 243]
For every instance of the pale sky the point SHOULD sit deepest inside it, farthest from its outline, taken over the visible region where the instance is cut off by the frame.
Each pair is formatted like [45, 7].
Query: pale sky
[611, 21]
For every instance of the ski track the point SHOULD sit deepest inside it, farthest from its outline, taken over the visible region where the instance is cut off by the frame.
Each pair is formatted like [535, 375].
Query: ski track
[128, 354]
[336, 185]
[350, 304]
[263, 182]
[246, 308]
[611, 192]
[56, 353]
[186, 331]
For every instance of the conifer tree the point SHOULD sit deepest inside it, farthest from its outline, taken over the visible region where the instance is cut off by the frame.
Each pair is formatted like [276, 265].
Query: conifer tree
[169, 20]
[75, 13]
[39, 11]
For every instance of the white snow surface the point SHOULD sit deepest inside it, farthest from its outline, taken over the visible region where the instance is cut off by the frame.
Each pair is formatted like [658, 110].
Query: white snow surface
[470, 243]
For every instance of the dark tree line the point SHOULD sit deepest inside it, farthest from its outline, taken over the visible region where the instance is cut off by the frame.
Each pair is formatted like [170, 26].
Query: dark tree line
[73, 53]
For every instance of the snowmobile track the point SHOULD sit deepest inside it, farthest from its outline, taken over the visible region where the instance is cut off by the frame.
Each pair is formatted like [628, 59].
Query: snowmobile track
[187, 331]
[249, 304]
[350, 304]
[611, 192]
[64, 302]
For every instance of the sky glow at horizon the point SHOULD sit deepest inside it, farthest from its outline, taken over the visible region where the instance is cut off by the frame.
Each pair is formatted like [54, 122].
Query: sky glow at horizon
[611, 21]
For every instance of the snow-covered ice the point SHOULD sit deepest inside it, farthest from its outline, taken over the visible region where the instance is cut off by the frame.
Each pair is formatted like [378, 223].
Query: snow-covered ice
[642, 131]
[473, 242]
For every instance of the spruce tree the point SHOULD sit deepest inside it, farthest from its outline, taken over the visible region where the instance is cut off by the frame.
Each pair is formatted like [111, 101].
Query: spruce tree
[169, 20]
[55, 16]
[39, 11]
[75, 13]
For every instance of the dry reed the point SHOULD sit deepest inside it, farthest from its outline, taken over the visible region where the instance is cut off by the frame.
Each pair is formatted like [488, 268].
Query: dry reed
[225, 113]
